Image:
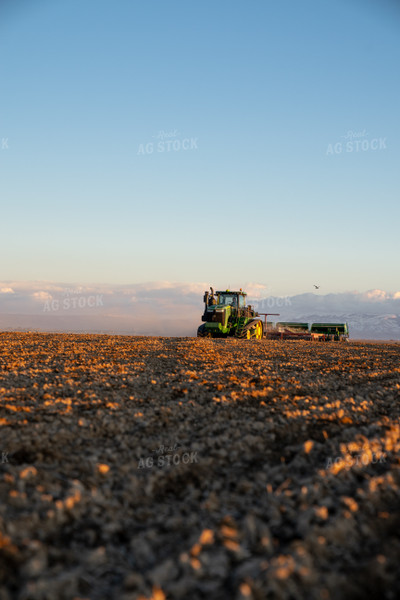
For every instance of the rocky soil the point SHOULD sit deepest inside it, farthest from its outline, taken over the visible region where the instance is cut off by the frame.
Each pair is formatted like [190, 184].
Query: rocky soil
[182, 468]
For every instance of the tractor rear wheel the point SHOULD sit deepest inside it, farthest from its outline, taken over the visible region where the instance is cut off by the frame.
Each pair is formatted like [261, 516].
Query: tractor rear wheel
[259, 331]
[255, 332]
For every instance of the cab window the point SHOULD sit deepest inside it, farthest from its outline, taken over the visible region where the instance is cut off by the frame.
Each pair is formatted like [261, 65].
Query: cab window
[227, 299]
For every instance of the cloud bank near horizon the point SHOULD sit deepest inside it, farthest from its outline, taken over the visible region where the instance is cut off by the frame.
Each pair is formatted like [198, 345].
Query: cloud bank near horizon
[163, 307]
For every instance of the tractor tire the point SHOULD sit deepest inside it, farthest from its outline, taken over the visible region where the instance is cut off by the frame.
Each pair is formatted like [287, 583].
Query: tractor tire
[255, 331]
[201, 331]
[259, 331]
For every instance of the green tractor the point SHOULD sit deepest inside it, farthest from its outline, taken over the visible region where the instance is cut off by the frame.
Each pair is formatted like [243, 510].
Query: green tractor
[226, 314]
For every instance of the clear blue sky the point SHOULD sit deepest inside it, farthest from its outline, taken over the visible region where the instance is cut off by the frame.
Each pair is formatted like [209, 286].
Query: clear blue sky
[261, 90]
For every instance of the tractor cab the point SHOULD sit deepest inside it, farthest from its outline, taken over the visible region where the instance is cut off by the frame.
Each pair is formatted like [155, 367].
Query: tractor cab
[234, 299]
[226, 314]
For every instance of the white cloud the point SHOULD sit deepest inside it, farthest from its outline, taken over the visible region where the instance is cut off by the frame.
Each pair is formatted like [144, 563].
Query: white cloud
[376, 294]
[6, 290]
[42, 296]
[256, 290]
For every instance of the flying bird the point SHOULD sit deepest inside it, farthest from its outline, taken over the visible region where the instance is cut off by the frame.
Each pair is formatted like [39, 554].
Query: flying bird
[317, 286]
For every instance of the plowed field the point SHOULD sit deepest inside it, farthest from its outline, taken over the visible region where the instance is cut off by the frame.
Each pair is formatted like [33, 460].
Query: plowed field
[185, 468]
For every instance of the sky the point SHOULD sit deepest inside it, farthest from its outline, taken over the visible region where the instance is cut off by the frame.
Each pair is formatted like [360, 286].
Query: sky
[221, 142]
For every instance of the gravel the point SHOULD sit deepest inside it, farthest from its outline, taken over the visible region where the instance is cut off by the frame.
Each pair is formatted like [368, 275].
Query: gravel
[141, 468]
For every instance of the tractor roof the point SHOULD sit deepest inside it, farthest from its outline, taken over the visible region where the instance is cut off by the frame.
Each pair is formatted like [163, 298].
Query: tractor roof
[231, 292]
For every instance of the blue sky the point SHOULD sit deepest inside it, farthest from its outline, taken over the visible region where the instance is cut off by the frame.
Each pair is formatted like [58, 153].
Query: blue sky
[260, 100]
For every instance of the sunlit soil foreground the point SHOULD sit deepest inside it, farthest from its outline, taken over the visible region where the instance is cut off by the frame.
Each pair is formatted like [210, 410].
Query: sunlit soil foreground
[194, 468]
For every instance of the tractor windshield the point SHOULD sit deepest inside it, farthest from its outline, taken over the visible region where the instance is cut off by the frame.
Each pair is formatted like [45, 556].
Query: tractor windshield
[232, 300]
[228, 299]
